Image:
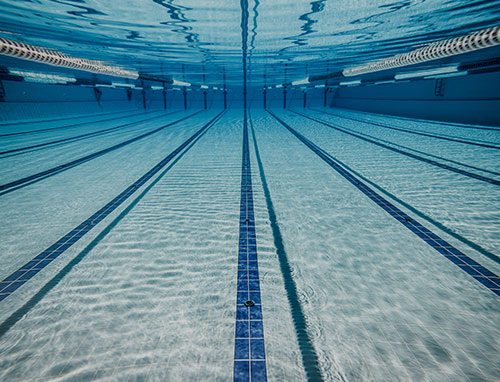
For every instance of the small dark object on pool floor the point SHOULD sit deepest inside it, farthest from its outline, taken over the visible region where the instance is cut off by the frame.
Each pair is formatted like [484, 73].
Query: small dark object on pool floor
[249, 303]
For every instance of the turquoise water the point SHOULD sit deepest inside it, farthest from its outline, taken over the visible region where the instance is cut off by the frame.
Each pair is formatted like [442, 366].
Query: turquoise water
[132, 235]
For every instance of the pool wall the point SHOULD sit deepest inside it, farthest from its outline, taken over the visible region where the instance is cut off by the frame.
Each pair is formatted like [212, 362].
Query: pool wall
[27, 100]
[467, 99]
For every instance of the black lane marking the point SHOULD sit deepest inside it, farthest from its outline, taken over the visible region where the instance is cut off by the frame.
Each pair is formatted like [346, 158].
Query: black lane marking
[80, 137]
[453, 139]
[18, 278]
[306, 347]
[414, 156]
[17, 184]
[73, 124]
[464, 262]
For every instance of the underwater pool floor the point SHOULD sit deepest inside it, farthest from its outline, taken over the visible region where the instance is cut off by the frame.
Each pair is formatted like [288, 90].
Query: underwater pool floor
[365, 247]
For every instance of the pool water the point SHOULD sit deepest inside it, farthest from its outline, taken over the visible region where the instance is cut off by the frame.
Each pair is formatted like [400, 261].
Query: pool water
[150, 294]
[160, 239]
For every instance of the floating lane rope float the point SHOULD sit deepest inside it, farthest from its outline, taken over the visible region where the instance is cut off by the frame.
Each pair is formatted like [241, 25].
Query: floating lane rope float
[55, 58]
[482, 39]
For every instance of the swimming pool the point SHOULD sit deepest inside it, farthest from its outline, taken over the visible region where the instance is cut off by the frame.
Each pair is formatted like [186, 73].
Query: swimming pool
[238, 226]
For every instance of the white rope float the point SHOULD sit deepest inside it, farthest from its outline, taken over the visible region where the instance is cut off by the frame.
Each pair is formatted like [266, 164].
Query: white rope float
[55, 58]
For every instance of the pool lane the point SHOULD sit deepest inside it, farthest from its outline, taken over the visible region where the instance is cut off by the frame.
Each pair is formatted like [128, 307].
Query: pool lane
[18, 278]
[470, 141]
[406, 153]
[484, 159]
[19, 183]
[464, 262]
[381, 303]
[73, 138]
[430, 155]
[14, 126]
[413, 121]
[22, 165]
[308, 352]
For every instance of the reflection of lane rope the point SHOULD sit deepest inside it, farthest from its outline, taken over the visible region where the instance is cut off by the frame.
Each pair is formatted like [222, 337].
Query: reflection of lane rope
[55, 58]
[484, 38]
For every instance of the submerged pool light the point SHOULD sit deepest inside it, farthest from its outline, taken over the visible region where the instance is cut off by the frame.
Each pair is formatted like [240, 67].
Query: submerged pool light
[180, 83]
[427, 73]
[350, 83]
[304, 81]
[44, 78]
[484, 38]
[122, 85]
[55, 58]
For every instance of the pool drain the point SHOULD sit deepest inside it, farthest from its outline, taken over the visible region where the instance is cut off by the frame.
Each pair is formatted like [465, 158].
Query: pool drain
[249, 303]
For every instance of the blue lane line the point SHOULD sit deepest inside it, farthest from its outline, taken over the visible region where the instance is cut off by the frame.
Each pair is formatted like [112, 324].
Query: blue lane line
[402, 152]
[249, 349]
[464, 262]
[31, 268]
[16, 184]
[79, 137]
[453, 139]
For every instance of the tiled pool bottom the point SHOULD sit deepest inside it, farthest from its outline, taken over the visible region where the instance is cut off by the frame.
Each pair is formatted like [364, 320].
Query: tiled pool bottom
[150, 293]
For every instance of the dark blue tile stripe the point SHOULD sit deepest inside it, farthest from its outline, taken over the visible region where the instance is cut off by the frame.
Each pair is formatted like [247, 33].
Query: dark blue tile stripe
[31, 268]
[402, 152]
[459, 140]
[54, 170]
[78, 137]
[465, 263]
[249, 349]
